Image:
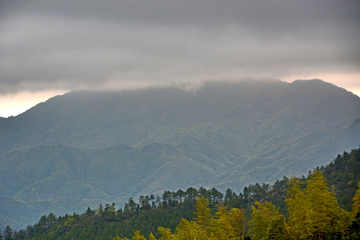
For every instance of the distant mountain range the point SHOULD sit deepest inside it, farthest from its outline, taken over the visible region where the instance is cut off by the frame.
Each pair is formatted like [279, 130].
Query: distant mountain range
[83, 148]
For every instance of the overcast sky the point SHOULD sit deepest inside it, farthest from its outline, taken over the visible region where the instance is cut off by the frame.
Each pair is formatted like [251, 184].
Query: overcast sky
[49, 47]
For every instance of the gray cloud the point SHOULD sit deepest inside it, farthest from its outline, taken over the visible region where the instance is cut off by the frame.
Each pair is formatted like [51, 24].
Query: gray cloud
[93, 44]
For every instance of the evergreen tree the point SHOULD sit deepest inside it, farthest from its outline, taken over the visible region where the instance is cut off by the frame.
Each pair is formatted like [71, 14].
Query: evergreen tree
[100, 210]
[180, 194]
[216, 195]
[229, 195]
[191, 194]
[51, 219]
[8, 233]
[354, 228]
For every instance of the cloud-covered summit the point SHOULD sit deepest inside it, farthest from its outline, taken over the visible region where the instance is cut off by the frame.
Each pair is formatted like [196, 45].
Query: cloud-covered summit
[100, 44]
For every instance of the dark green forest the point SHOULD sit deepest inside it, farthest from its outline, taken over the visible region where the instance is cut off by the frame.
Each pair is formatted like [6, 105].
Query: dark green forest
[260, 209]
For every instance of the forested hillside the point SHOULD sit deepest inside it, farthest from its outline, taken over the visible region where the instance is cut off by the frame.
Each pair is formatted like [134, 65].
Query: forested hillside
[85, 148]
[259, 210]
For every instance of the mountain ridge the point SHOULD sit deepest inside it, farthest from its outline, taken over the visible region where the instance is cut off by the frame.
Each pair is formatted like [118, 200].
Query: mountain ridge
[91, 147]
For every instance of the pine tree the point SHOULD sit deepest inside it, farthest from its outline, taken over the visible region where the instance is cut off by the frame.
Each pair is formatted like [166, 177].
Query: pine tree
[8, 233]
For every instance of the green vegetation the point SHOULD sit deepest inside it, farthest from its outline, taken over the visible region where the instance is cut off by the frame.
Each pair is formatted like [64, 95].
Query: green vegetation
[296, 208]
[343, 175]
[85, 148]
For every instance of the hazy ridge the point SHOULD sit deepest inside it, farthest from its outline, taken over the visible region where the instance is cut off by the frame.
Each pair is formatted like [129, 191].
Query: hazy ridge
[83, 148]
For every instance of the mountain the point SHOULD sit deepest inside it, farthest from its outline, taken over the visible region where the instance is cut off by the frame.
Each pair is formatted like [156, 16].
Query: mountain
[148, 213]
[83, 148]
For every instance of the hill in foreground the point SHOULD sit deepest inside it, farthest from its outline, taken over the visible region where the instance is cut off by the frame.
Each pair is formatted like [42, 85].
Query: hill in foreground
[150, 212]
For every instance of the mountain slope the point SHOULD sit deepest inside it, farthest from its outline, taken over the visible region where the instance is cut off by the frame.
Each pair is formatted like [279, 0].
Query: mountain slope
[342, 174]
[257, 110]
[92, 147]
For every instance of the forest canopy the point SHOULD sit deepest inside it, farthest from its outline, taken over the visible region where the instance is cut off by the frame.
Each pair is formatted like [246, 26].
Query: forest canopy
[292, 208]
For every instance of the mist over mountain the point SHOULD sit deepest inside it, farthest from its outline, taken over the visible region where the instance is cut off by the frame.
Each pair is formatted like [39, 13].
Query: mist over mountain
[83, 148]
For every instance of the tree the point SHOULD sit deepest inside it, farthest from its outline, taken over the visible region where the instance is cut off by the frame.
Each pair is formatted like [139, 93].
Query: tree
[278, 229]
[229, 195]
[356, 201]
[167, 198]
[204, 192]
[313, 210]
[152, 198]
[180, 194]
[191, 194]
[138, 236]
[100, 210]
[263, 190]
[188, 230]
[263, 218]
[246, 192]
[299, 209]
[89, 212]
[229, 223]
[158, 201]
[20, 234]
[130, 206]
[110, 211]
[51, 219]
[144, 202]
[216, 195]
[166, 232]
[354, 228]
[203, 213]
[30, 231]
[8, 233]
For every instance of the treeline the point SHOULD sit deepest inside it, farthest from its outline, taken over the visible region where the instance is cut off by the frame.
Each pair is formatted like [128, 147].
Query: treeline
[263, 211]
[313, 214]
[148, 213]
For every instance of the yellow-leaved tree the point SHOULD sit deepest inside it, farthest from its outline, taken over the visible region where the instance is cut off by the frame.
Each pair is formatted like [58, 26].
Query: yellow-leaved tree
[313, 211]
[203, 213]
[137, 236]
[229, 224]
[267, 222]
[356, 201]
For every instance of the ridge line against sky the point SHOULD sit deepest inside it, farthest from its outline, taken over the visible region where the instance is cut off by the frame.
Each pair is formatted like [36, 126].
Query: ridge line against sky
[11, 106]
[52, 47]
